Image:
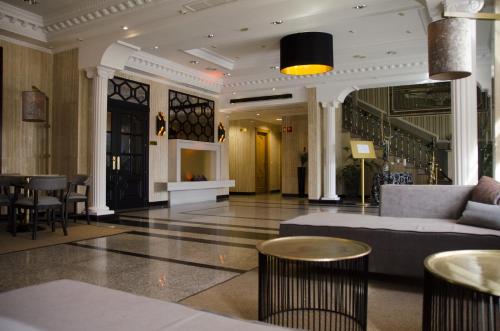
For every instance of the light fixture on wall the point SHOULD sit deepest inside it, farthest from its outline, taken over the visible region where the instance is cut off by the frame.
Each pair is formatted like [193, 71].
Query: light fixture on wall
[450, 49]
[34, 105]
[160, 124]
[306, 53]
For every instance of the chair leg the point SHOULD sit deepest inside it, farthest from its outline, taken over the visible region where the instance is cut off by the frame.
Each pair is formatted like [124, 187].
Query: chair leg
[35, 224]
[87, 211]
[74, 212]
[63, 221]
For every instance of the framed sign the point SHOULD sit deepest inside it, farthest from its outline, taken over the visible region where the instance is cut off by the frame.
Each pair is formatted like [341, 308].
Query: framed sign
[363, 149]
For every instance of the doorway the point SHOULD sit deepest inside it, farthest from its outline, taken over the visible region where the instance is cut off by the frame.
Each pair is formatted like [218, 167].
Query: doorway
[261, 162]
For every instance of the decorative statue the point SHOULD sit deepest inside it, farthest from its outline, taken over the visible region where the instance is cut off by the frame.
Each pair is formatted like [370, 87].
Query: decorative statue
[303, 157]
[160, 124]
[221, 132]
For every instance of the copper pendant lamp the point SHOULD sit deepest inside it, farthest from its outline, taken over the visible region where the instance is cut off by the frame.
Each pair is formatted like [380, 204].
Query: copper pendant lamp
[450, 49]
[306, 53]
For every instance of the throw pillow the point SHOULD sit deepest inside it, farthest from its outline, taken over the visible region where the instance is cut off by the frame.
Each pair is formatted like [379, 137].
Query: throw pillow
[487, 191]
[481, 215]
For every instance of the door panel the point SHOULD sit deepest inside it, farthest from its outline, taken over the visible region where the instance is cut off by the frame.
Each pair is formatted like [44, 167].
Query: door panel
[260, 162]
[127, 157]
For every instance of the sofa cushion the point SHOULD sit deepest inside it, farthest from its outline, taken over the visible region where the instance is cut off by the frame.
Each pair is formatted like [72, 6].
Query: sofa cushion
[487, 191]
[482, 215]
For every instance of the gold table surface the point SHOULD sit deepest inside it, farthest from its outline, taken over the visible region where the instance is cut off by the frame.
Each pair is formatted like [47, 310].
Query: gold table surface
[475, 269]
[314, 249]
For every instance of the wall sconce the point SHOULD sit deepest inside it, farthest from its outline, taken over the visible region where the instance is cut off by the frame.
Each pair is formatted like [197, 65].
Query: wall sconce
[34, 105]
[160, 124]
[221, 132]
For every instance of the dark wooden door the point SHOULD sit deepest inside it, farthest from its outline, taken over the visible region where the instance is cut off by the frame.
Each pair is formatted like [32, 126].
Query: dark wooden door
[127, 156]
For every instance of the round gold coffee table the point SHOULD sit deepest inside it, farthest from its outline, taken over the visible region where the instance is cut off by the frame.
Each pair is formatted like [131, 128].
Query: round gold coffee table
[314, 283]
[462, 290]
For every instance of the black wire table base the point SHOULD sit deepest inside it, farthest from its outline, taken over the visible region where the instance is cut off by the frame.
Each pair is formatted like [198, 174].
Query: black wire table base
[314, 295]
[456, 308]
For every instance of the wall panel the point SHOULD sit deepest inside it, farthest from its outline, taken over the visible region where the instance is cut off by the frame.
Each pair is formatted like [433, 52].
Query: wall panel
[25, 145]
[293, 144]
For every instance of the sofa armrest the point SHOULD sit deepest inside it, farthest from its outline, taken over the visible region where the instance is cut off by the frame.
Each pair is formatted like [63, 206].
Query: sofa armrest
[424, 201]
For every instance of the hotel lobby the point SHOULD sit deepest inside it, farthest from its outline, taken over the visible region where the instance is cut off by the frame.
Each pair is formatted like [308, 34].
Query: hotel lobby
[249, 164]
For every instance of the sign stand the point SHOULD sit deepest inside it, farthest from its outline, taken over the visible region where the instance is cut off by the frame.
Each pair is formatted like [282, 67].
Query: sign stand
[362, 150]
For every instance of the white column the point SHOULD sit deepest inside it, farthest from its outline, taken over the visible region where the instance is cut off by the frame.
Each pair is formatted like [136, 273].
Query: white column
[496, 98]
[329, 162]
[100, 76]
[464, 122]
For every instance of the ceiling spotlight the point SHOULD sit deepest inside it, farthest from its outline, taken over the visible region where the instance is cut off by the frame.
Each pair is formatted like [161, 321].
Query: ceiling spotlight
[391, 52]
[125, 28]
[258, 114]
[274, 67]
[401, 14]
[227, 74]
[244, 29]
[79, 39]
[274, 88]
[357, 56]
[194, 62]
[351, 31]
[31, 2]
[211, 69]
[211, 35]
[183, 12]
[234, 93]
[278, 22]
[279, 119]
[408, 31]
[359, 7]
[156, 47]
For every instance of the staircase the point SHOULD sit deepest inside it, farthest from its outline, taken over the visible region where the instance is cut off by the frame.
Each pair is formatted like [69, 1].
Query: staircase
[407, 141]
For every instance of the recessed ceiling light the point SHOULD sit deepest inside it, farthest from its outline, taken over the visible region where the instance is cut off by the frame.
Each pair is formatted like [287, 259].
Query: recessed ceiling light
[279, 119]
[79, 39]
[391, 52]
[194, 62]
[234, 93]
[408, 31]
[31, 2]
[156, 47]
[357, 56]
[183, 12]
[211, 35]
[125, 27]
[211, 69]
[244, 29]
[274, 67]
[401, 14]
[359, 6]
[258, 114]
[274, 88]
[227, 74]
[351, 31]
[278, 22]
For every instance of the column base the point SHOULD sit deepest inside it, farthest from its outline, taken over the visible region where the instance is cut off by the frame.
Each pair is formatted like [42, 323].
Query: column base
[100, 211]
[331, 198]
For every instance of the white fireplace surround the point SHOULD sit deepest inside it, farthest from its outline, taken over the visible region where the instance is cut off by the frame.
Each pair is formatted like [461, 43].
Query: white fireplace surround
[180, 192]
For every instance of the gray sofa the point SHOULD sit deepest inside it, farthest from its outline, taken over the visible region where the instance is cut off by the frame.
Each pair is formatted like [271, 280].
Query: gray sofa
[415, 221]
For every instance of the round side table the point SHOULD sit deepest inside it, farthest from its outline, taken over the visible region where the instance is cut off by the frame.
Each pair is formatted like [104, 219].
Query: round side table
[462, 290]
[314, 283]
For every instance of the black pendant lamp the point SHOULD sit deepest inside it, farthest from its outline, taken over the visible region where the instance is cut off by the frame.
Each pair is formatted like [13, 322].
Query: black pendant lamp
[306, 53]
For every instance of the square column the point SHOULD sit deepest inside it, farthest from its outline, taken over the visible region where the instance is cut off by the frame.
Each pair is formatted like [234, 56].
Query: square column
[100, 76]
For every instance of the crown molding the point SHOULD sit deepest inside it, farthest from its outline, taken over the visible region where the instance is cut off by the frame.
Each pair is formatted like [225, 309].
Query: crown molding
[172, 71]
[26, 44]
[22, 22]
[61, 23]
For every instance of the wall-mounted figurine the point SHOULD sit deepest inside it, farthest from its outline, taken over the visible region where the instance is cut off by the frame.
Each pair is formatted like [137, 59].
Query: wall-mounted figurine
[160, 124]
[221, 132]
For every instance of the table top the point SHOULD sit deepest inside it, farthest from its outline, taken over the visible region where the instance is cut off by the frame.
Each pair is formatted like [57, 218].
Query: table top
[314, 249]
[475, 269]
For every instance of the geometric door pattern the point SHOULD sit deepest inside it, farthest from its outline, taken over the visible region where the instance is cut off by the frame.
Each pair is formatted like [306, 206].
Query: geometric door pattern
[190, 117]
[128, 91]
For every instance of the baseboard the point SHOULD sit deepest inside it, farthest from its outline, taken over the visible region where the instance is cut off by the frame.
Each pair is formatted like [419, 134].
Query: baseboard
[241, 193]
[221, 198]
[97, 218]
[159, 204]
[293, 195]
[326, 202]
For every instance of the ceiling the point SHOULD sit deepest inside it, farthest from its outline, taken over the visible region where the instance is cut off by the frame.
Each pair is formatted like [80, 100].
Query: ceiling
[388, 31]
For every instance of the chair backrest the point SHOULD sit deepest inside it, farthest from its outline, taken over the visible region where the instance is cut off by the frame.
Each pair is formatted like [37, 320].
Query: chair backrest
[48, 183]
[79, 180]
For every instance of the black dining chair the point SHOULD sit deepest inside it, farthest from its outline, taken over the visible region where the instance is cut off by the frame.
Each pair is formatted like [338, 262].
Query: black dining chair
[75, 197]
[54, 188]
[5, 198]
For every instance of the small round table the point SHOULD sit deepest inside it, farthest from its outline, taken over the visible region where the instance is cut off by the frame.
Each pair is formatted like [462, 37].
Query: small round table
[462, 290]
[314, 283]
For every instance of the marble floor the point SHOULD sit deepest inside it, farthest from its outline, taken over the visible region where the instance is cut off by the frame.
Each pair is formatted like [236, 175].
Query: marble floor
[169, 254]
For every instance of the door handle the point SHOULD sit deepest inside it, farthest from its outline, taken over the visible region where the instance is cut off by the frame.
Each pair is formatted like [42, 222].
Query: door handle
[113, 163]
[118, 163]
